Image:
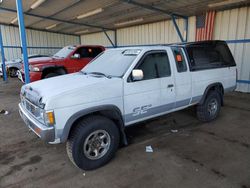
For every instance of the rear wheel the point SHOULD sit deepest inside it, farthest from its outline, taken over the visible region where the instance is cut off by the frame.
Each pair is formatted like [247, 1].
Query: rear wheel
[52, 74]
[210, 108]
[93, 142]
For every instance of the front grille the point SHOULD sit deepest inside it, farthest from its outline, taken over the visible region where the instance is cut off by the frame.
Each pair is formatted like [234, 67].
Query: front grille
[31, 108]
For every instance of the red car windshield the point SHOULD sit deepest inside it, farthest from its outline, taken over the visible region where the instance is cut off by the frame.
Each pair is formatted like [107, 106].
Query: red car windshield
[64, 52]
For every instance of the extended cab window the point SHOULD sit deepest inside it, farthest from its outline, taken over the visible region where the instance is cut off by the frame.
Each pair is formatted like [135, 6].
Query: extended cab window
[155, 65]
[179, 59]
[210, 55]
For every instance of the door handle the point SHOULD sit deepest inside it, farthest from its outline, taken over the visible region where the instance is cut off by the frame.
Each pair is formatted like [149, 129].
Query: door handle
[170, 85]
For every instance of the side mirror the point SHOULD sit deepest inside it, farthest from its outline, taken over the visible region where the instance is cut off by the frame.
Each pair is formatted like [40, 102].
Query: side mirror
[75, 56]
[137, 74]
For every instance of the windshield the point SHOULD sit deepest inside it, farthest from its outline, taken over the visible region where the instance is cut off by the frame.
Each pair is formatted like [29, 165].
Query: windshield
[113, 62]
[64, 52]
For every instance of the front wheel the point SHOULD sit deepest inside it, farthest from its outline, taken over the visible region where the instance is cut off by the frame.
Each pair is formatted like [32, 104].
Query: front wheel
[93, 142]
[210, 108]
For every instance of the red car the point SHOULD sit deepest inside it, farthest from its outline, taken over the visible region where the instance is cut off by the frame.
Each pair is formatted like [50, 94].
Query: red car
[69, 59]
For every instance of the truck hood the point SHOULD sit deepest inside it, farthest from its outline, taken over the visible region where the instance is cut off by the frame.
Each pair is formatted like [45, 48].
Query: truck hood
[41, 60]
[72, 89]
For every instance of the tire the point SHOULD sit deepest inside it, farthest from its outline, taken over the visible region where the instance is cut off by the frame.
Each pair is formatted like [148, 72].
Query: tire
[79, 149]
[210, 108]
[49, 75]
[13, 72]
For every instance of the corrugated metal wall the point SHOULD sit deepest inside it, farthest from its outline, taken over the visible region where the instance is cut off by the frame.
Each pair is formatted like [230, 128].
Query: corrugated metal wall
[231, 25]
[154, 33]
[235, 25]
[40, 42]
[98, 38]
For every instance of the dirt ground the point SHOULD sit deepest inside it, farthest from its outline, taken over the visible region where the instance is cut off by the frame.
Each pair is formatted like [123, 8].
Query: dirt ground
[215, 154]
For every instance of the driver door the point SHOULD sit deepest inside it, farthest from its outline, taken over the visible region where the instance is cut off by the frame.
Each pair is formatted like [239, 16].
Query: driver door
[149, 97]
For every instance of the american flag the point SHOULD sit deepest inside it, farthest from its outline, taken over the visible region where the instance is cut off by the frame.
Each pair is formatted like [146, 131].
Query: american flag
[205, 26]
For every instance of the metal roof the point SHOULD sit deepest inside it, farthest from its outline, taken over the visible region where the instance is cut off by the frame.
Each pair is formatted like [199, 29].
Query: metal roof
[64, 13]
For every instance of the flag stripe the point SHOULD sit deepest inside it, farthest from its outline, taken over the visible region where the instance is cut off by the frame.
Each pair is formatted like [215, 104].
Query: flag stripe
[211, 36]
[205, 31]
[208, 26]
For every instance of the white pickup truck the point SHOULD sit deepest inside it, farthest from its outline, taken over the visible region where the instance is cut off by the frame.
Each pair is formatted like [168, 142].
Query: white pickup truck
[90, 109]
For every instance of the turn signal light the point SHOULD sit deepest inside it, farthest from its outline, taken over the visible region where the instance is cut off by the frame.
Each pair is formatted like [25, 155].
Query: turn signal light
[50, 118]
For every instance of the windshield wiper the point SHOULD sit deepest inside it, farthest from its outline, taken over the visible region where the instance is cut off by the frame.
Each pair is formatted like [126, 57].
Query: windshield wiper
[97, 73]
[85, 73]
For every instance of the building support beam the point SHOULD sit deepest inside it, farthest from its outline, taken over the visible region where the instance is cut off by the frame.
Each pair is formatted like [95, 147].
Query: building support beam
[178, 29]
[3, 58]
[111, 42]
[80, 40]
[186, 29]
[115, 38]
[23, 39]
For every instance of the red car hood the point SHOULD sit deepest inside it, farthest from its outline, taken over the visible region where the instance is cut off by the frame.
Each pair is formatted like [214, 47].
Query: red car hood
[42, 60]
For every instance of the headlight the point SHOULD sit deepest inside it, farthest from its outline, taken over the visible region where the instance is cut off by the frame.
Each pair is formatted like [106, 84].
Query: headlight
[39, 114]
[49, 118]
[34, 69]
[46, 117]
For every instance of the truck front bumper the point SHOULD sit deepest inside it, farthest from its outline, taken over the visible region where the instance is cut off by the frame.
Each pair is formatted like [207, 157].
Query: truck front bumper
[45, 133]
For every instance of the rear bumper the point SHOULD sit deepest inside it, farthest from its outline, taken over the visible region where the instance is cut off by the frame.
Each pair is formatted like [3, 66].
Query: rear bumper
[45, 133]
